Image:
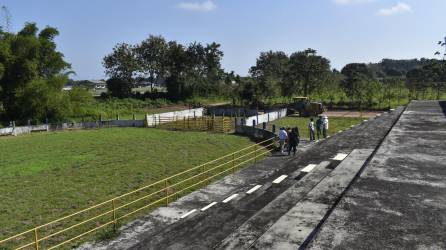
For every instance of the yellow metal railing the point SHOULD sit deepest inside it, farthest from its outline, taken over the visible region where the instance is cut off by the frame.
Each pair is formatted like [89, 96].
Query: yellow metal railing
[55, 234]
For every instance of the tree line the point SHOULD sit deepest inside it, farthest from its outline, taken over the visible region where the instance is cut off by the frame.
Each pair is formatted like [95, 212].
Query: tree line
[187, 70]
[364, 85]
[33, 74]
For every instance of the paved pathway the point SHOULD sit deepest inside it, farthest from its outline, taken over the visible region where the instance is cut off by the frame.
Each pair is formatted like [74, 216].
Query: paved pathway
[399, 201]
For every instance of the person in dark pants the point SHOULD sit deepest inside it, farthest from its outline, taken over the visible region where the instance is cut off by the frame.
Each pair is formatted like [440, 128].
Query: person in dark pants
[293, 140]
[311, 129]
[319, 127]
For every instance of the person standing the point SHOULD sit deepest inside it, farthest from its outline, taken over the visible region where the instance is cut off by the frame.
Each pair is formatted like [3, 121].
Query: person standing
[319, 127]
[311, 129]
[293, 139]
[325, 126]
[283, 136]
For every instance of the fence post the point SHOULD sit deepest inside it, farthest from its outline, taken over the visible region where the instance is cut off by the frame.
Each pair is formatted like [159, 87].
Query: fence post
[166, 191]
[223, 125]
[36, 239]
[117, 117]
[264, 125]
[274, 129]
[213, 122]
[115, 222]
[184, 122]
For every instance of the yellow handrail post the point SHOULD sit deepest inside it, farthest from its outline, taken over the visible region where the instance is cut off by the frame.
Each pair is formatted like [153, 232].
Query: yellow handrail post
[36, 239]
[233, 162]
[167, 192]
[115, 221]
[255, 153]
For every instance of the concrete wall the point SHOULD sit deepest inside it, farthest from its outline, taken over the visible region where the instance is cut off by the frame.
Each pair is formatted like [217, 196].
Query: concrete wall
[101, 124]
[229, 111]
[257, 119]
[155, 119]
[253, 132]
[23, 130]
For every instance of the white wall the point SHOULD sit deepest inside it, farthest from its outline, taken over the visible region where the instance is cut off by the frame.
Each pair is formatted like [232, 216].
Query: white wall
[267, 117]
[154, 119]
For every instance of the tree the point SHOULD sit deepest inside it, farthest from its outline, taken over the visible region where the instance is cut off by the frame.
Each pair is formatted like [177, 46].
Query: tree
[269, 72]
[31, 74]
[249, 91]
[151, 55]
[122, 67]
[307, 71]
[177, 65]
[358, 82]
[330, 89]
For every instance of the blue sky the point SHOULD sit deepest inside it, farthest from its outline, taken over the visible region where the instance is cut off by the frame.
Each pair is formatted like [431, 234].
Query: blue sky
[342, 30]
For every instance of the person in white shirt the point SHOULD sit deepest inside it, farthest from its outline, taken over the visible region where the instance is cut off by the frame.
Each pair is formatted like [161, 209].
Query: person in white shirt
[283, 136]
[311, 129]
[325, 126]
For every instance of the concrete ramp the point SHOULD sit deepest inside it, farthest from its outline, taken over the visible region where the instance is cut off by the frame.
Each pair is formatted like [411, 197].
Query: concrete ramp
[297, 225]
[399, 201]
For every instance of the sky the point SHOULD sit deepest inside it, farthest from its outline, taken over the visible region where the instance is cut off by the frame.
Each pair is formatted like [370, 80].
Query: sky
[344, 31]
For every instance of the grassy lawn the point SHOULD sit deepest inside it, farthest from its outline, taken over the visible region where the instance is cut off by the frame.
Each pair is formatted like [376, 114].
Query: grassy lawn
[335, 124]
[44, 176]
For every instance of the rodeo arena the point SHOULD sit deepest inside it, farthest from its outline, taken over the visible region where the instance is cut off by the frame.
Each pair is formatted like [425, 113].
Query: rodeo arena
[379, 183]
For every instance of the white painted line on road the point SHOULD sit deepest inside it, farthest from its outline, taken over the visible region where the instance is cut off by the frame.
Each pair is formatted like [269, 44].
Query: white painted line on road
[378, 114]
[308, 168]
[352, 126]
[328, 137]
[365, 120]
[280, 179]
[230, 198]
[392, 109]
[252, 190]
[188, 213]
[208, 206]
[340, 131]
[340, 157]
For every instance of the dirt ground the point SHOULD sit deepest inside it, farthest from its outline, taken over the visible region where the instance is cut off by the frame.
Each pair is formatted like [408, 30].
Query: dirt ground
[349, 113]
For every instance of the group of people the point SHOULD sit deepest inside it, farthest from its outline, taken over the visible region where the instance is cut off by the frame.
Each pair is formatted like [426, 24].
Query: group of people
[290, 136]
[321, 127]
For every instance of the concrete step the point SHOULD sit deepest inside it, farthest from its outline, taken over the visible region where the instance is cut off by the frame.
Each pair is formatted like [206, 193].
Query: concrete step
[297, 225]
[244, 236]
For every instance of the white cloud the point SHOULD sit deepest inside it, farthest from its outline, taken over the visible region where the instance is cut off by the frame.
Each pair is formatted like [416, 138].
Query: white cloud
[205, 6]
[348, 2]
[398, 8]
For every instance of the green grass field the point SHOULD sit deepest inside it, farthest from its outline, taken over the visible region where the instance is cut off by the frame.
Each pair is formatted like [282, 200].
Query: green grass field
[335, 124]
[44, 176]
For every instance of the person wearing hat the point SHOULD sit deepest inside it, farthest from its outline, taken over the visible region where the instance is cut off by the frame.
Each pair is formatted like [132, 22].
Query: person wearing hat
[325, 126]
